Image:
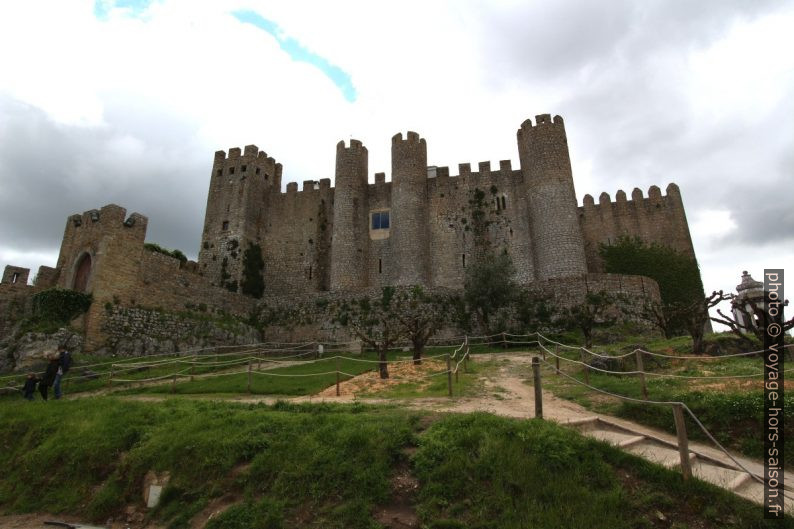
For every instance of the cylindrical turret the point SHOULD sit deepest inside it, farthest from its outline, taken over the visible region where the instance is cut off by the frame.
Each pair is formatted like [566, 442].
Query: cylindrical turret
[409, 237]
[557, 240]
[350, 234]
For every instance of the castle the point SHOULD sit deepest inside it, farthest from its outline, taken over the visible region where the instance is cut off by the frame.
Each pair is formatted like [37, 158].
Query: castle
[424, 227]
[421, 227]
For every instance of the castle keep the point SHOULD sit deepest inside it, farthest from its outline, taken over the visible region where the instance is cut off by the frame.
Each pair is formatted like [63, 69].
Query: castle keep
[422, 226]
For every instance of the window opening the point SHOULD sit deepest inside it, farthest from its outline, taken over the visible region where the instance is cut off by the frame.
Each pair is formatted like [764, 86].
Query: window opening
[380, 220]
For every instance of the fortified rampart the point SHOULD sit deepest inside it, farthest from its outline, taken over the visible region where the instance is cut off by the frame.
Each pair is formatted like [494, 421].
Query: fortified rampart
[424, 227]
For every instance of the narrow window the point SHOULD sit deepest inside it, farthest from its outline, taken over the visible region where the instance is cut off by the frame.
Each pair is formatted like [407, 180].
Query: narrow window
[257, 170]
[15, 277]
[504, 202]
[380, 266]
[219, 172]
[380, 220]
[310, 272]
[225, 225]
[231, 170]
[497, 204]
[243, 168]
[464, 260]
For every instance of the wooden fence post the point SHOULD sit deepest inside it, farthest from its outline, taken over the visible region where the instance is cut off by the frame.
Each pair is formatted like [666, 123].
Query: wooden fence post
[585, 366]
[110, 380]
[449, 374]
[249, 376]
[683, 442]
[641, 369]
[173, 383]
[538, 390]
[557, 358]
[193, 368]
[337, 376]
[504, 341]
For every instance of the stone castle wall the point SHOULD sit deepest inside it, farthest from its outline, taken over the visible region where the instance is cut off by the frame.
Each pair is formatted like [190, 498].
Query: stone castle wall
[655, 219]
[320, 238]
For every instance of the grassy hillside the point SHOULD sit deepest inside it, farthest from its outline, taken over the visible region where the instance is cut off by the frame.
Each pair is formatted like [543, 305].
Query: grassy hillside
[335, 466]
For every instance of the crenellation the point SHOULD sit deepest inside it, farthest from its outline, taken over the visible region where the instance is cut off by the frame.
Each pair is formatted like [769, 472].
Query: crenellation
[380, 178]
[251, 151]
[505, 167]
[464, 169]
[292, 187]
[484, 169]
[234, 153]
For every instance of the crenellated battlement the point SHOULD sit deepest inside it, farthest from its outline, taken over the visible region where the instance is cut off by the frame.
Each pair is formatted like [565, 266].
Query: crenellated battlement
[109, 217]
[542, 121]
[355, 146]
[411, 137]
[637, 197]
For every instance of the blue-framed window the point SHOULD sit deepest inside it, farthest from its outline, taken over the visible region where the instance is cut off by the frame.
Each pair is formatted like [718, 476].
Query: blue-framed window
[380, 220]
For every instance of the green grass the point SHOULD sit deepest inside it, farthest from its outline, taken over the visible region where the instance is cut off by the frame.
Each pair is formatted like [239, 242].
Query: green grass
[730, 409]
[288, 381]
[332, 466]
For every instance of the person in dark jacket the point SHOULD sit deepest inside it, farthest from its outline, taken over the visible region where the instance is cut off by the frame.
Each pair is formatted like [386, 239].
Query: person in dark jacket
[49, 376]
[64, 363]
[30, 386]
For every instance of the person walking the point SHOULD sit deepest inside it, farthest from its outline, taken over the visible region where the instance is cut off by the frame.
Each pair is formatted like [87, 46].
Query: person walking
[49, 376]
[64, 363]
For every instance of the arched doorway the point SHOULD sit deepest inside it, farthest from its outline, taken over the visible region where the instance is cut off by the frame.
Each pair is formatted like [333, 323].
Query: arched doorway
[82, 273]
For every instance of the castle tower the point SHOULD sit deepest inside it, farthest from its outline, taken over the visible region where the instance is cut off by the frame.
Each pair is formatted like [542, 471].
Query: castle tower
[235, 212]
[349, 243]
[558, 245]
[409, 231]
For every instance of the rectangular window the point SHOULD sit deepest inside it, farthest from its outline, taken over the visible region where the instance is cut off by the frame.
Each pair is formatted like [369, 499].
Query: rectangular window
[464, 260]
[15, 277]
[257, 170]
[380, 266]
[219, 172]
[243, 168]
[231, 170]
[225, 225]
[380, 220]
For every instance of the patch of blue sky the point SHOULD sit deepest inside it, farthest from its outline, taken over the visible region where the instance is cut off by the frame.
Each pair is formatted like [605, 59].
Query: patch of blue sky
[135, 7]
[297, 52]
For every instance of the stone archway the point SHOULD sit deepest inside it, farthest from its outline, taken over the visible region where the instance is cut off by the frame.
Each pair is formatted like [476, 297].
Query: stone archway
[82, 273]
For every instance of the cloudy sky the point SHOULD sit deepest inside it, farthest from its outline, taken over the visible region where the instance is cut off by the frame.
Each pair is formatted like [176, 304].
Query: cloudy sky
[119, 101]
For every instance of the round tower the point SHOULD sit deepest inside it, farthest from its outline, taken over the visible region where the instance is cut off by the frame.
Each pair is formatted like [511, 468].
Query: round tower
[557, 240]
[350, 233]
[409, 237]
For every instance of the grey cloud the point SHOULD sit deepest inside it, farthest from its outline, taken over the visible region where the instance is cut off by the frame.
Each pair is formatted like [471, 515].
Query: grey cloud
[50, 171]
[542, 41]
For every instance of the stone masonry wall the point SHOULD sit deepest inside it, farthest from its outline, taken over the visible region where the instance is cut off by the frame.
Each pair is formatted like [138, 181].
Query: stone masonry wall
[656, 219]
[139, 332]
